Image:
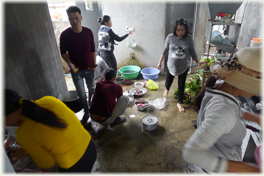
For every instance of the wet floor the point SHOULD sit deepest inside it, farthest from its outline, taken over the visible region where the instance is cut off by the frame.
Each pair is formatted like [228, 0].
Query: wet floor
[129, 148]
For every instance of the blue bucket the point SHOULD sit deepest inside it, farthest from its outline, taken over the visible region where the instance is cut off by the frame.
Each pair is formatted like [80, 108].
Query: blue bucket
[150, 73]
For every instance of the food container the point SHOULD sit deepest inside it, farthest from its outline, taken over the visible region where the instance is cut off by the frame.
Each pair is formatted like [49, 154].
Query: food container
[130, 99]
[139, 84]
[255, 42]
[130, 71]
[141, 104]
[71, 99]
[128, 93]
[149, 122]
[150, 73]
[139, 91]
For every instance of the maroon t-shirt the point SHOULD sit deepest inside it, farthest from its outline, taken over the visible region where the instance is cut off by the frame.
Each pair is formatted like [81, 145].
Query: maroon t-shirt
[104, 98]
[79, 46]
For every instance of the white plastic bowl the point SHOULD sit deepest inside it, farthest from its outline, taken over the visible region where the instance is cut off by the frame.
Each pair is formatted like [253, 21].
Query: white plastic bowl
[138, 84]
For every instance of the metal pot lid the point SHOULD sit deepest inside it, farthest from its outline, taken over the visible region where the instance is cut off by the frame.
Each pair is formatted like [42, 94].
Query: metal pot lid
[149, 120]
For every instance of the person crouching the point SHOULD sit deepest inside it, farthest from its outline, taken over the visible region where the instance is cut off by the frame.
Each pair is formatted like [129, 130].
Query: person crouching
[108, 101]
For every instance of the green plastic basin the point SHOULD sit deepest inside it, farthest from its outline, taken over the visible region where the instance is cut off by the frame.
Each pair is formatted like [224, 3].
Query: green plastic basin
[130, 71]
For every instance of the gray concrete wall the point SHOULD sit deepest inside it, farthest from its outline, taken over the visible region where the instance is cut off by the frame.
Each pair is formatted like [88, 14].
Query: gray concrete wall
[199, 38]
[149, 22]
[32, 61]
[90, 19]
[250, 17]
[59, 27]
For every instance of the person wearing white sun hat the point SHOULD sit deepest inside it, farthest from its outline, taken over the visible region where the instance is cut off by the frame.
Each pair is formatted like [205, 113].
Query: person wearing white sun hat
[216, 144]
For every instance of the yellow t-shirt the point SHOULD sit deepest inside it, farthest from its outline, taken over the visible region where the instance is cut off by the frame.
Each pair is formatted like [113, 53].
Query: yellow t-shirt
[47, 145]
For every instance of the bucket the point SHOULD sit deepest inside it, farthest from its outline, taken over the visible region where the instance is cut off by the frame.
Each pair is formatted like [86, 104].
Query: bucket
[150, 73]
[130, 71]
[71, 99]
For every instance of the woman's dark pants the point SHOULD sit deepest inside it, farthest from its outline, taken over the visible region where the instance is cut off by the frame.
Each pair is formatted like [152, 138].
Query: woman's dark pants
[109, 58]
[181, 83]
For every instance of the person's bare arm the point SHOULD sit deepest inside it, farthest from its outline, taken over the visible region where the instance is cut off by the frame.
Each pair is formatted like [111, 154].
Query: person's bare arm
[251, 117]
[67, 59]
[241, 167]
[160, 61]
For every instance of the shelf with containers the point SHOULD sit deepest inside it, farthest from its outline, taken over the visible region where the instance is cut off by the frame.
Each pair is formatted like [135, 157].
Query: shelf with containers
[234, 29]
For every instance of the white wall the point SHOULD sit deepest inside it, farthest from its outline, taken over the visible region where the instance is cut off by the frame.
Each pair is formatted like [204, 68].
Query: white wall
[250, 17]
[148, 19]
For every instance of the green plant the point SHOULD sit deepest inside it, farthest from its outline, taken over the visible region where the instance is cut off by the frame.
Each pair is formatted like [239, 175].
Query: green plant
[192, 88]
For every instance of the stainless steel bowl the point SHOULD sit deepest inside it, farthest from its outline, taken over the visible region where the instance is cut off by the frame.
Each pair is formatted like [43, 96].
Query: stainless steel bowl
[141, 101]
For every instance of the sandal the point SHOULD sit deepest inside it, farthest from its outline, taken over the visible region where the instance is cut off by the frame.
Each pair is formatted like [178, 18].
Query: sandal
[181, 109]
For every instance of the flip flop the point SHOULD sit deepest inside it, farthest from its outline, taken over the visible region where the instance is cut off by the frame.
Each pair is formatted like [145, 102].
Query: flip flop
[181, 109]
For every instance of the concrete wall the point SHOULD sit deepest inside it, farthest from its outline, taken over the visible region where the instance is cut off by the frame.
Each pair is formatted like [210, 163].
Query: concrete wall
[200, 24]
[32, 61]
[90, 19]
[58, 27]
[148, 19]
[250, 17]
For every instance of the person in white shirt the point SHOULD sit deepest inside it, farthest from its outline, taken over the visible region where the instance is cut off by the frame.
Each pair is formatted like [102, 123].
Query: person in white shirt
[216, 144]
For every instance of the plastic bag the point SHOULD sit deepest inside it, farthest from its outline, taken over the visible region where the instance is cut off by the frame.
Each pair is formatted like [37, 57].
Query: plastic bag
[216, 37]
[152, 85]
[159, 103]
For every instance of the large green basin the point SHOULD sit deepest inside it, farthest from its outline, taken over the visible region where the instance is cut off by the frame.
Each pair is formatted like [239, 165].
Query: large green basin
[130, 71]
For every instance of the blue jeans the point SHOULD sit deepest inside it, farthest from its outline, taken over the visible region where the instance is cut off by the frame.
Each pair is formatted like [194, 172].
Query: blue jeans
[77, 78]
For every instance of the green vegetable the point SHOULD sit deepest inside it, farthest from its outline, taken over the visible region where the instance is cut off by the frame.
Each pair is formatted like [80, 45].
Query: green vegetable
[192, 89]
[209, 61]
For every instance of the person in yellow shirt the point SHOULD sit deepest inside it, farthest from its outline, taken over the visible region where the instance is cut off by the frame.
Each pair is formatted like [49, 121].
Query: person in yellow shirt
[50, 133]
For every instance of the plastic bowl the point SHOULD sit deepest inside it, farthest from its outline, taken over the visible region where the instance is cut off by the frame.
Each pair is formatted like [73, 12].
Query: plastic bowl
[138, 84]
[130, 71]
[150, 73]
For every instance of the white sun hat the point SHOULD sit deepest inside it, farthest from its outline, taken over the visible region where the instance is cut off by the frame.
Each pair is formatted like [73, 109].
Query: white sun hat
[242, 71]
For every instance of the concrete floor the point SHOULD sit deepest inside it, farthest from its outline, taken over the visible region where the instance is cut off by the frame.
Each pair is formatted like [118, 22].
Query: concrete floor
[128, 148]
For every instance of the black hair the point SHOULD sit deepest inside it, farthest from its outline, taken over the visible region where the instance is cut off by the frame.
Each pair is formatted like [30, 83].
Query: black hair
[109, 74]
[31, 110]
[210, 83]
[104, 19]
[73, 9]
[183, 22]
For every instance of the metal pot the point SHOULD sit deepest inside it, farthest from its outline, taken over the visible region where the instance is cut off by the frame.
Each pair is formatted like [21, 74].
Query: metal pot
[140, 101]
[71, 99]
[149, 122]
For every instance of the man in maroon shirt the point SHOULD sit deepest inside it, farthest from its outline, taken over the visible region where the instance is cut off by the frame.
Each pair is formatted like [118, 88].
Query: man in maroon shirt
[108, 101]
[78, 50]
